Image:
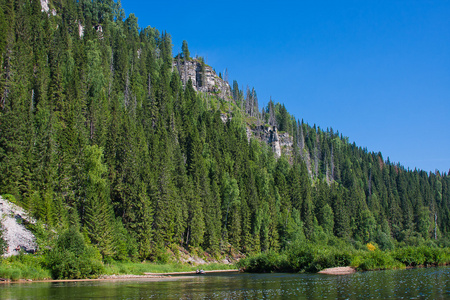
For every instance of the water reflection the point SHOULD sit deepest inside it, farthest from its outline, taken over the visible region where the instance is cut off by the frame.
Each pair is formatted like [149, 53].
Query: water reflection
[432, 283]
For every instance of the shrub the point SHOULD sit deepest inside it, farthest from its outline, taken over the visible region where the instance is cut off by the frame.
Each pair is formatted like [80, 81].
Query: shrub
[72, 258]
[23, 266]
[264, 262]
[417, 256]
[313, 258]
[379, 260]
[371, 247]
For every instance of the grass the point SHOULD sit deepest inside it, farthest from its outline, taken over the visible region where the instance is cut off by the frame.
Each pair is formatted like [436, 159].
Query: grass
[24, 267]
[122, 268]
[28, 266]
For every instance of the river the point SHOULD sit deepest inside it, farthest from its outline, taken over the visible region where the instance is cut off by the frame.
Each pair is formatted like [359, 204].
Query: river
[426, 283]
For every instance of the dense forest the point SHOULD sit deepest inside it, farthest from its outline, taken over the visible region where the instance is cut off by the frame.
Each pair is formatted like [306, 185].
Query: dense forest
[98, 132]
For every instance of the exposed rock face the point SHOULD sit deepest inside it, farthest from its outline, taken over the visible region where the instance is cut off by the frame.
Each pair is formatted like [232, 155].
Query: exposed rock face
[274, 139]
[203, 77]
[80, 29]
[16, 235]
[280, 143]
[225, 117]
[44, 6]
[286, 143]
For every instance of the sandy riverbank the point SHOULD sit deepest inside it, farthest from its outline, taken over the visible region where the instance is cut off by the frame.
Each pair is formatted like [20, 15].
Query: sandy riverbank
[146, 277]
[338, 271]
[102, 278]
[192, 272]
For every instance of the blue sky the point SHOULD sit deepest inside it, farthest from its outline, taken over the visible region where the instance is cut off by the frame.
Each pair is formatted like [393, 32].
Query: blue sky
[376, 71]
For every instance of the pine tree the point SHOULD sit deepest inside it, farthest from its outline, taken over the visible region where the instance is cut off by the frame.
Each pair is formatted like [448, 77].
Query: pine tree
[95, 210]
[185, 50]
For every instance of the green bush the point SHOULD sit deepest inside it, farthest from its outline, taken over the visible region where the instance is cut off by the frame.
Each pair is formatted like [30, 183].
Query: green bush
[418, 256]
[23, 266]
[299, 258]
[264, 262]
[378, 260]
[72, 258]
[313, 258]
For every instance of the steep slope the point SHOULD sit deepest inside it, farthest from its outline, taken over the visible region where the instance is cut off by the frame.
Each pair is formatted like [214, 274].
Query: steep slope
[104, 131]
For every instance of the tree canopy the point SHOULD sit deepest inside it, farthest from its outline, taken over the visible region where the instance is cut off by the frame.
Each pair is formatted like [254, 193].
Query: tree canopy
[98, 133]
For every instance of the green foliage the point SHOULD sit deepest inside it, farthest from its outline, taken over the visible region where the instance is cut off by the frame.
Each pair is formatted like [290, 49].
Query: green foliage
[422, 256]
[99, 133]
[185, 50]
[10, 198]
[45, 236]
[24, 266]
[299, 258]
[3, 244]
[376, 260]
[264, 262]
[125, 268]
[72, 258]
[313, 258]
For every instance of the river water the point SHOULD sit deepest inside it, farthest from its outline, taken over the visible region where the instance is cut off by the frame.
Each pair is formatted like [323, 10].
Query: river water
[429, 283]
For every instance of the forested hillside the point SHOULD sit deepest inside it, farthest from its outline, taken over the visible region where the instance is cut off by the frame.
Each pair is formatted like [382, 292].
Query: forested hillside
[99, 132]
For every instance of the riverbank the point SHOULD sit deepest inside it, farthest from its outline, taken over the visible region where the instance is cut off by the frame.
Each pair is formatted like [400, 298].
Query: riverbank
[102, 278]
[193, 272]
[311, 258]
[32, 268]
[122, 277]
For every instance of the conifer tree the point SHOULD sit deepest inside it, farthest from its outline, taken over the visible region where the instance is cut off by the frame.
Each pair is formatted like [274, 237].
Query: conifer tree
[185, 50]
[95, 210]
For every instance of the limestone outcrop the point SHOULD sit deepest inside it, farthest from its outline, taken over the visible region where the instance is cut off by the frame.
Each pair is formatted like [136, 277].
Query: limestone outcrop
[281, 143]
[46, 8]
[203, 77]
[17, 236]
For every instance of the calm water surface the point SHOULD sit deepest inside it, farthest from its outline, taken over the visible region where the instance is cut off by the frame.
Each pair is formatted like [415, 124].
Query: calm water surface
[431, 283]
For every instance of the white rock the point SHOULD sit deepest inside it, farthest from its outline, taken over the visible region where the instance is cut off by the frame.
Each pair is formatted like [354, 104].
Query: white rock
[44, 6]
[15, 234]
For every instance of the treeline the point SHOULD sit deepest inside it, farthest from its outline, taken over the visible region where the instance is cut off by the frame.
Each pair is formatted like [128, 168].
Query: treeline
[98, 133]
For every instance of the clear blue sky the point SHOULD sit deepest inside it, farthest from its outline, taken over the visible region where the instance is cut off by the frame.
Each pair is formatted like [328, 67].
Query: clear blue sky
[376, 71]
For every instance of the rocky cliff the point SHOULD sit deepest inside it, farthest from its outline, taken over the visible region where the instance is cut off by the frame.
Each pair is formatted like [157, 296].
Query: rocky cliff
[281, 143]
[203, 77]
